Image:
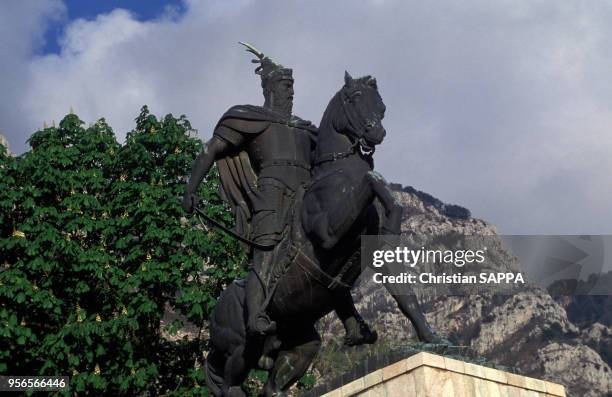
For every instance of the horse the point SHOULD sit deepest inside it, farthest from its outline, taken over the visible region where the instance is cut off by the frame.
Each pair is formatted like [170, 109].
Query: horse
[321, 253]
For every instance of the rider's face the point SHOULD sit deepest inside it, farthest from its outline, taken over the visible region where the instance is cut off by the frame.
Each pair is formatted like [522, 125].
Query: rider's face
[282, 96]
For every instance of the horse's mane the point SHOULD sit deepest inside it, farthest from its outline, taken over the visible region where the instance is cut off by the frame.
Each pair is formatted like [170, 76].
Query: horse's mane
[332, 111]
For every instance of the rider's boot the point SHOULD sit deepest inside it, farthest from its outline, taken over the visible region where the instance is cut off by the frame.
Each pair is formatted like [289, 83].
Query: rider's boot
[258, 323]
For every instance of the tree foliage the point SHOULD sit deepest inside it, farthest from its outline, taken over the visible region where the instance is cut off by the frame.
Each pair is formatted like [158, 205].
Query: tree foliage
[95, 247]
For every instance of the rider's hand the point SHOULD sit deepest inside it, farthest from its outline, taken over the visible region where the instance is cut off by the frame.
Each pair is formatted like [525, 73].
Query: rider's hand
[189, 202]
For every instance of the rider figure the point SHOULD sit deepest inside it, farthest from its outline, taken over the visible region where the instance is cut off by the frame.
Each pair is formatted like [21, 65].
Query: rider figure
[263, 155]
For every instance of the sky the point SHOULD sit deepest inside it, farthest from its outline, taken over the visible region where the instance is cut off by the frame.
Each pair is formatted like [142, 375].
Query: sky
[501, 106]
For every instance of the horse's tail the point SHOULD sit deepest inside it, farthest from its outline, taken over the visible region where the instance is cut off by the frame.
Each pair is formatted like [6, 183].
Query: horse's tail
[212, 376]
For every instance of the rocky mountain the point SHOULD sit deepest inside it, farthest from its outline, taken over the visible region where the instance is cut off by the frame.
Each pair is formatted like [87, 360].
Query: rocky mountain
[529, 330]
[566, 340]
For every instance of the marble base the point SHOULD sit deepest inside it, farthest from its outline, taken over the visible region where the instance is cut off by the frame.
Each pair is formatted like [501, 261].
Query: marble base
[430, 375]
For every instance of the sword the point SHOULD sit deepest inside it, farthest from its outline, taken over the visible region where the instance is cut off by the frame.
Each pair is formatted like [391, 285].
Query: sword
[229, 231]
[238, 237]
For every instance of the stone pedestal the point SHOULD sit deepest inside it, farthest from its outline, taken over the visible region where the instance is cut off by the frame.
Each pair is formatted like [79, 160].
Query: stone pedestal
[430, 375]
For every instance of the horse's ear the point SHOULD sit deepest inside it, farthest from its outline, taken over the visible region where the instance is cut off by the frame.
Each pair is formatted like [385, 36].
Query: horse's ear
[348, 79]
[372, 82]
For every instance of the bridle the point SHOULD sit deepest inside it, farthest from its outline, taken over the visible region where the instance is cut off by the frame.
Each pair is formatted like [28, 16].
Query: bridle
[358, 127]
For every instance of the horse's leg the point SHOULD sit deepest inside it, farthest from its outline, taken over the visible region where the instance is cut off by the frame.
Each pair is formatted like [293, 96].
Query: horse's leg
[357, 330]
[408, 303]
[410, 307]
[300, 346]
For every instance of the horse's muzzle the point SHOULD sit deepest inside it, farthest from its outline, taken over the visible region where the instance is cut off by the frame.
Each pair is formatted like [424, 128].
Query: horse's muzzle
[375, 135]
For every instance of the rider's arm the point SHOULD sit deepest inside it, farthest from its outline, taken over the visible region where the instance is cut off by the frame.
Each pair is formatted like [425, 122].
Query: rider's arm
[214, 149]
[225, 140]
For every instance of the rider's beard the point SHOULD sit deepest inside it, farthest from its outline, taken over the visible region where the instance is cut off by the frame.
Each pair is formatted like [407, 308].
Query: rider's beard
[280, 105]
[285, 107]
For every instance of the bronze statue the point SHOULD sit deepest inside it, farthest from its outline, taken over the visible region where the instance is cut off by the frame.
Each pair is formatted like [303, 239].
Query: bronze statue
[302, 198]
[264, 156]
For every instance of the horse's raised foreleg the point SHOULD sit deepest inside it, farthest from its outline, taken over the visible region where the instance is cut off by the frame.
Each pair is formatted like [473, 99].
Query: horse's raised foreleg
[300, 346]
[393, 209]
[331, 226]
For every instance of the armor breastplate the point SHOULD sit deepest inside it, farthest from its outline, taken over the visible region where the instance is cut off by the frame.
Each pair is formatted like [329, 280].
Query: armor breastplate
[283, 153]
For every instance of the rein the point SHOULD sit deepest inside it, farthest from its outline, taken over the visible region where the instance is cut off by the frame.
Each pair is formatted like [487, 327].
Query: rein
[300, 258]
[336, 155]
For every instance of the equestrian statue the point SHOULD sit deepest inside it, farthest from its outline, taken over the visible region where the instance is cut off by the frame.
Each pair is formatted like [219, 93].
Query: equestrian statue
[302, 198]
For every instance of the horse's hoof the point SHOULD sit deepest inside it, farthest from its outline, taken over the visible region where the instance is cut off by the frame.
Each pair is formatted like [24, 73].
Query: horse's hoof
[436, 339]
[371, 338]
[236, 391]
[265, 362]
[350, 341]
[363, 339]
[365, 336]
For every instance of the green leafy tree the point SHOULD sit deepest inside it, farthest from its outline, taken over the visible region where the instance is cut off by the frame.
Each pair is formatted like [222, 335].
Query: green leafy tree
[161, 253]
[94, 249]
[52, 283]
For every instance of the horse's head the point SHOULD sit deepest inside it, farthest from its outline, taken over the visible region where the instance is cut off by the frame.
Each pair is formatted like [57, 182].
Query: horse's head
[363, 112]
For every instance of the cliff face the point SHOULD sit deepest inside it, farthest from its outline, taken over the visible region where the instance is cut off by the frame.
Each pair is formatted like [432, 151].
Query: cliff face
[529, 331]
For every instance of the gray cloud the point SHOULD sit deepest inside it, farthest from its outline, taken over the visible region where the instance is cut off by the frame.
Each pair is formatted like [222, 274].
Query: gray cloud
[502, 107]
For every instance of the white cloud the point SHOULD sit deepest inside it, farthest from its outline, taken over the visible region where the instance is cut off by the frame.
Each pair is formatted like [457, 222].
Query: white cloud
[499, 106]
[22, 27]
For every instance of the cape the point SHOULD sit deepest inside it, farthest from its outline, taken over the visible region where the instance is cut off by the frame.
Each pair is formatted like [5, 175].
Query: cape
[260, 114]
